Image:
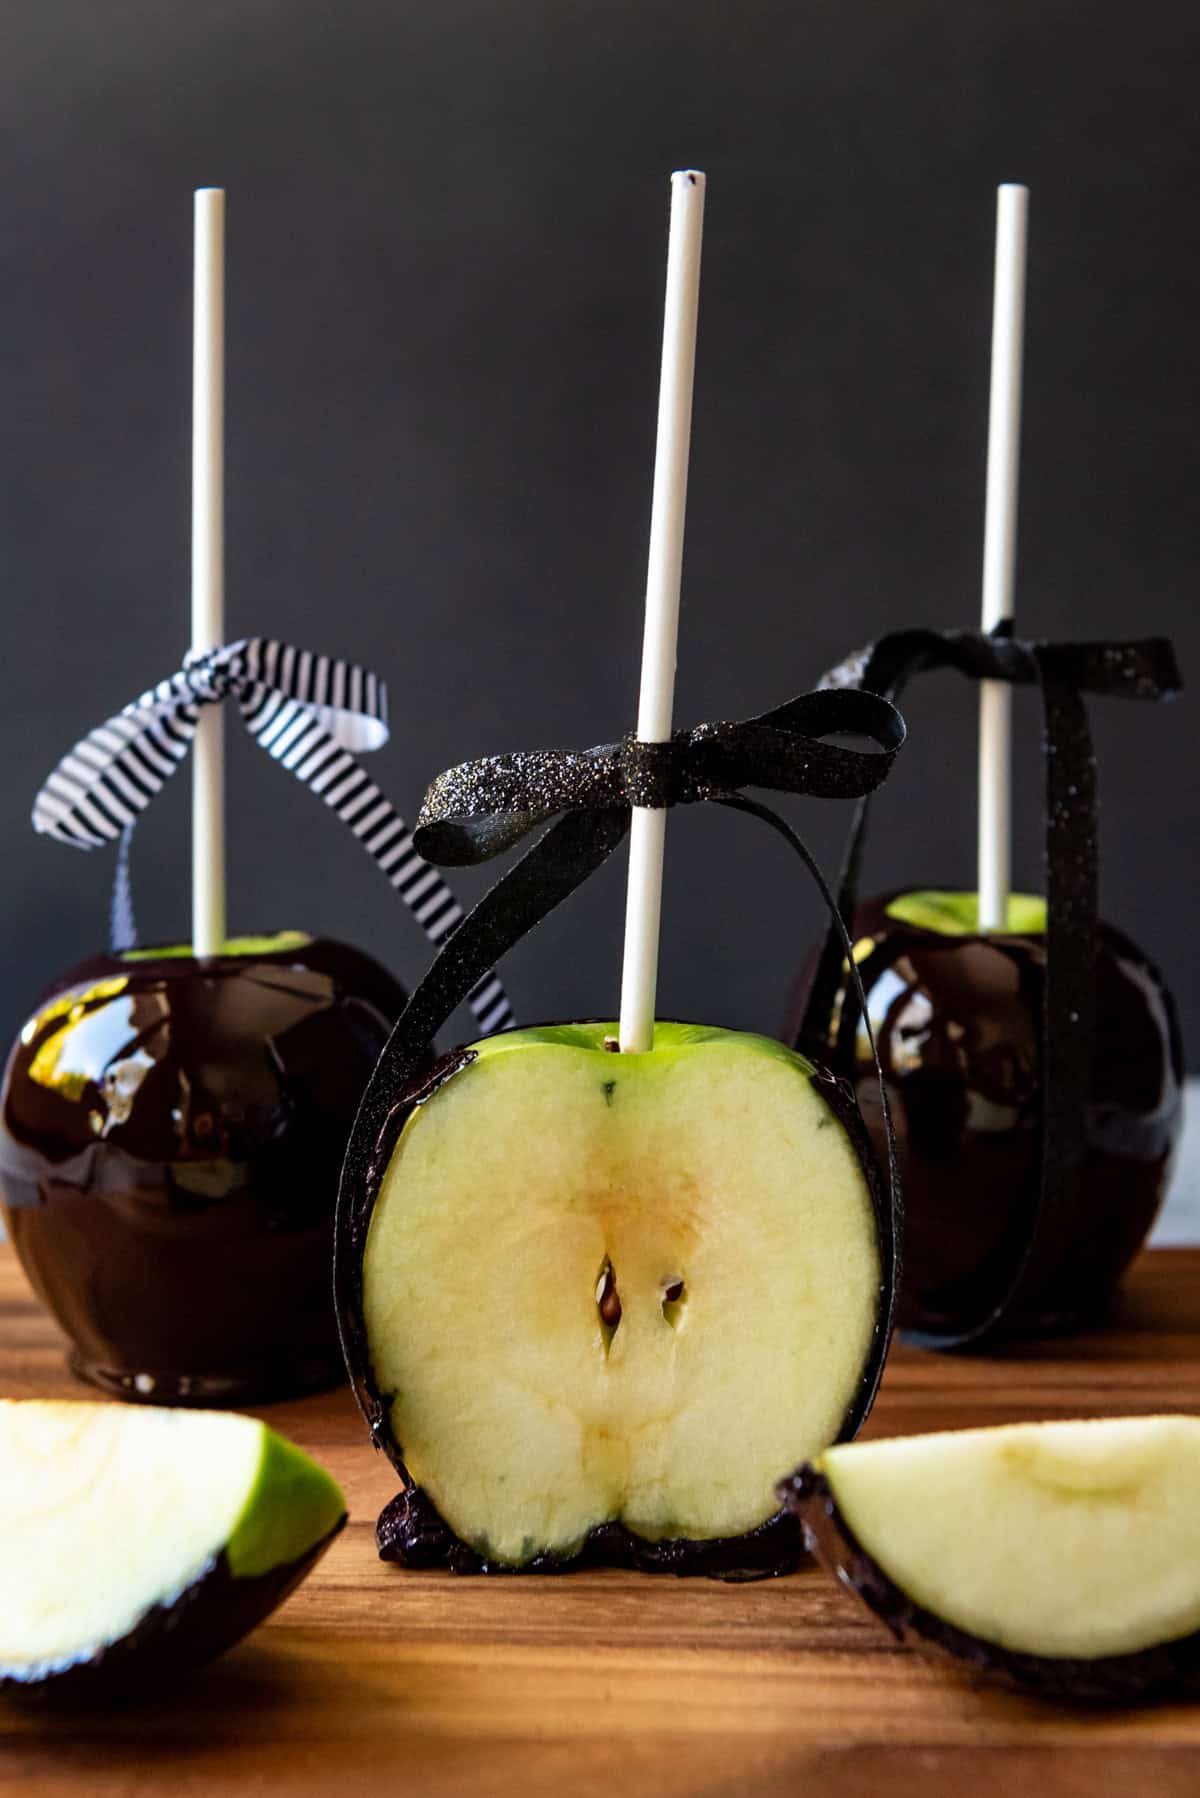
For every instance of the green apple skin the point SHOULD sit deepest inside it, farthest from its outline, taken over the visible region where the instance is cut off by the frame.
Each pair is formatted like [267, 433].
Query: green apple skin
[292, 1511]
[281, 943]
[957, 914]
[411, 1530]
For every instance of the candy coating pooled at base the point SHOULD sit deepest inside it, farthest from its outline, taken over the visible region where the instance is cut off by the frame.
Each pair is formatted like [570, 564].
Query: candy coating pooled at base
[606, 1292]
[1064, 1556]
[135, 1544]
[958, 1020]
[412, 1533]
[170, 1142]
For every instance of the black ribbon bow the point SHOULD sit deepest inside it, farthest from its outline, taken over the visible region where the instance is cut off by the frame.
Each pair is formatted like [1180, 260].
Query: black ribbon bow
[310, 713]
[482, 808]
[1064, 672]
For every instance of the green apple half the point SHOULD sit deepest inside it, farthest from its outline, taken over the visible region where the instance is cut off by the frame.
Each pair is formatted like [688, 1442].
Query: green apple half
[1065, 1555]
[608, 1289]
[137, 1542]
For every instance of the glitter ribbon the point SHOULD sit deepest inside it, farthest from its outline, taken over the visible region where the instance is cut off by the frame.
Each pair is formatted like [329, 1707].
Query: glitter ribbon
[482, 808]
[478, 810]
[310, 713]
[1040, 1241]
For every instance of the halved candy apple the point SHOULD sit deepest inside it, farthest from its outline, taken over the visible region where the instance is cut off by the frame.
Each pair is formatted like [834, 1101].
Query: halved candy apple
[136, 1543]
[602, 1298]
[1063, 1555]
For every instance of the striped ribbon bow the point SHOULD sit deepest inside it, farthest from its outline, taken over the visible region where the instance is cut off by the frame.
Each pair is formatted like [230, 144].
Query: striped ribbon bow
[311, 713]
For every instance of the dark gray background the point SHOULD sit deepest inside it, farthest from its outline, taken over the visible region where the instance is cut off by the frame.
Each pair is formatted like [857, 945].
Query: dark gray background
[446, 244]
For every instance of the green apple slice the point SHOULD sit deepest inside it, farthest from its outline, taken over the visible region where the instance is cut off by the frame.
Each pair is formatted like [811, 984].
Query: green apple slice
[138, 1541]
[1064, 1543]
[624, 1288]
[957, 914]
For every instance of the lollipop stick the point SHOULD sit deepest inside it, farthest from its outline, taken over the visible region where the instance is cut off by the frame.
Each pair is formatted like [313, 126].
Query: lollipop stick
[208, 566]
[1000, 552]
[639, 978]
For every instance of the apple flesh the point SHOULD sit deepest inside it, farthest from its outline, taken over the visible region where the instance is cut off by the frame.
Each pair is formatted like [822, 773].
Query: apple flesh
[135, 1544]
[614, 1293]
[171, 1135]
[1065, 1556]
[957, 1014]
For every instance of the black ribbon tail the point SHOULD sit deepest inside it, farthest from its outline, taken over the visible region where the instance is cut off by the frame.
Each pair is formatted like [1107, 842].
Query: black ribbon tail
[892, 1244]
[883, 670]
[1036, 1245]
[827, 976]
[561, 860]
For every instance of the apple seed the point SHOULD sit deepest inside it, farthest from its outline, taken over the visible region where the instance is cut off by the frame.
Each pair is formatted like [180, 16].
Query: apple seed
[607, 1297]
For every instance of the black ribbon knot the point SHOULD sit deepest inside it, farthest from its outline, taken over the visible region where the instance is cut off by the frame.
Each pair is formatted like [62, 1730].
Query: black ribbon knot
[481, 808]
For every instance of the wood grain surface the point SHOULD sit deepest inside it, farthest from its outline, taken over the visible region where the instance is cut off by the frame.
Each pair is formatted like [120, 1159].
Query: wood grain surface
[371, 1680]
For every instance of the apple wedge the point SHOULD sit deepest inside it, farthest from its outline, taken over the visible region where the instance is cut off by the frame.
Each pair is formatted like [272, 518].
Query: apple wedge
[1065, 1556]
[136, 1543]
[603, 1298]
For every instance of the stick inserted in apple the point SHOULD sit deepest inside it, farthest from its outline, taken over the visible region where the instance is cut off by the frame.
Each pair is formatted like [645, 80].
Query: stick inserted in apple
[615, 1273]
[957, 990]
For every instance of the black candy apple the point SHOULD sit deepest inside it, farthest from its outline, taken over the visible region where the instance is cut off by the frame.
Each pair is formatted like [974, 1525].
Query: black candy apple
[592, 1301]
[1063, 1556]
[170, 1142]
[136, 1544]
[957, 1014]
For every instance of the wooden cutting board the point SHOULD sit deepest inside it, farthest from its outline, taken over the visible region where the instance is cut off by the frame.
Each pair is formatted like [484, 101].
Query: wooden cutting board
[372, 1681]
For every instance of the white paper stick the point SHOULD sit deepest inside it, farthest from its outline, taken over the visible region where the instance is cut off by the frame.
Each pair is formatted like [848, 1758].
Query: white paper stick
[208, 566]
[639, 978]
[1000, 552]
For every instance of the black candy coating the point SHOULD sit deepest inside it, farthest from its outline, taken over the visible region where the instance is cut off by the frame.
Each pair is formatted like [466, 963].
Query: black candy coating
[170, 1141]
[412, 1532]
[1108, 1679]
[959, 1026]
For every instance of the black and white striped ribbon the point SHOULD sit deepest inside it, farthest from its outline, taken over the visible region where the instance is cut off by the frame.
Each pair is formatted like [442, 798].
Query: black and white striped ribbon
[311, 713]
